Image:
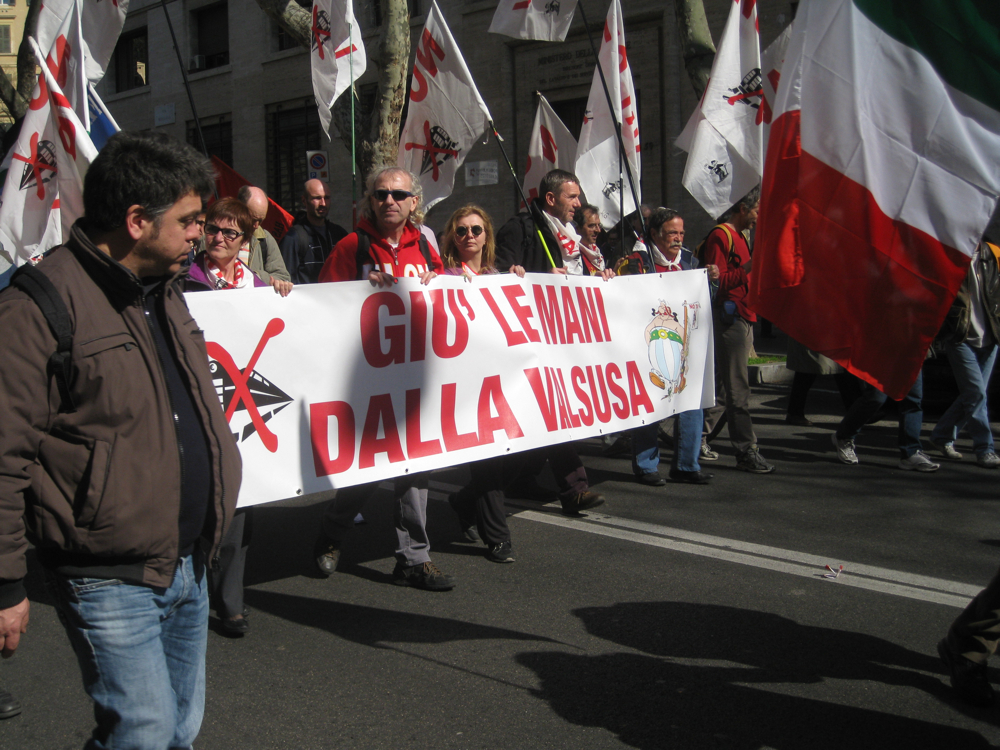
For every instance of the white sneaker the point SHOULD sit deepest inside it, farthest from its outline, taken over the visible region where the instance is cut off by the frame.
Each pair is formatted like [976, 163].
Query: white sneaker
[988, 460]
[845, 450]
[919, 462]
[947, 450]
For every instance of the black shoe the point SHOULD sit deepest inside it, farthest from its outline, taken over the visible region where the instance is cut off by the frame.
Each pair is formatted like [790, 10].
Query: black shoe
[236, 625]
[529, 489]
[500, 553]
[580, 501]
[9, 705]
[327, 555]
[967, 677]
[468, 527]
[799, 421]
[652, 479]
[753, 462]
[690, 477]
[426, 576]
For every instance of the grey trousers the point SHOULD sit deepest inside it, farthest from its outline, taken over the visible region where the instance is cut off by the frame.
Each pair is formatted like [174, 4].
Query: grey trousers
[733, 343]
[409, 515]
[225, 585]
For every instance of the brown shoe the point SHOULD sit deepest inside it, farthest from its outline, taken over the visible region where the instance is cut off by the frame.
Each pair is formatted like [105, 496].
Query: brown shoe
[572, 506]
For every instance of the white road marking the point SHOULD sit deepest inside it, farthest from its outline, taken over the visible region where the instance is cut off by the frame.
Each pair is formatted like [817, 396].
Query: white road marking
[870, 577]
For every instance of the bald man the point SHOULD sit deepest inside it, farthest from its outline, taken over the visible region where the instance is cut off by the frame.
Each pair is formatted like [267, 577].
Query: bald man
[265, 257]
[308, 243]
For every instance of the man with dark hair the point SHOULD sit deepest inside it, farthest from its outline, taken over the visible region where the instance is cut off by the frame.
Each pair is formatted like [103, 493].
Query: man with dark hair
[263, 257]
[312, 236]
[727, 250]
[527, 240]
[119, 468]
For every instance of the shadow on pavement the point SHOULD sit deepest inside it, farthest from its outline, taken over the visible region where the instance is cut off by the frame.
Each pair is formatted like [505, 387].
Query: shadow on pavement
[650, 701]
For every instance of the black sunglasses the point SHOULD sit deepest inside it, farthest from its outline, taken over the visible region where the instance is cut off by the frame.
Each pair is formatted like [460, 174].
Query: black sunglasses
[229, 234]
[397, 195]
[462, 231]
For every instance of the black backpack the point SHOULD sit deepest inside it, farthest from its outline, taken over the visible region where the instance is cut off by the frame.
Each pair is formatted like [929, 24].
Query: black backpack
[36, 285]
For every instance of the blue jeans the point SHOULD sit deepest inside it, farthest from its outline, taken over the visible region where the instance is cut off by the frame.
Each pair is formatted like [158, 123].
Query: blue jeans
[687, 442]
[972, 367]
[142, 654]
[911, 415]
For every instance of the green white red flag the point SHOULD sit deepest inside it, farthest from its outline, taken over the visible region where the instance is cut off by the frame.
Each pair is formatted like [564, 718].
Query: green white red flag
[881, 175]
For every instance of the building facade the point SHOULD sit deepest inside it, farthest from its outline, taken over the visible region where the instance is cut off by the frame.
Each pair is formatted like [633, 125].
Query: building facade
[12, 15]
[252, 90]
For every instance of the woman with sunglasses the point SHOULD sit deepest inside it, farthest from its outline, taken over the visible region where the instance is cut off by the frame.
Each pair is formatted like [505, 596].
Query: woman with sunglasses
[468, 249]
[228, 224]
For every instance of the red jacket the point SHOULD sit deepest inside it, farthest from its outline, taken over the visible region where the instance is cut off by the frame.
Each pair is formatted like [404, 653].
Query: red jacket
[733, 280]
[406, 260]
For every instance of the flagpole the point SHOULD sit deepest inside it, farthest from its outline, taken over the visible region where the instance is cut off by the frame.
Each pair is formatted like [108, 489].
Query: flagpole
[520, 190]
[187, 84]
[354, 166]
[618, 126]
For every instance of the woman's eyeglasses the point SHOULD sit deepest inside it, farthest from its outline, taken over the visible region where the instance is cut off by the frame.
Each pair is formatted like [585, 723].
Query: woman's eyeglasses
[397, 195]
[229, 234]
[462, 231]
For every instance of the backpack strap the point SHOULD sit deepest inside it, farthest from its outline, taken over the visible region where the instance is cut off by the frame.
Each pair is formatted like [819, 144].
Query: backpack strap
[425, 250]
[363, 255]
[37, 285]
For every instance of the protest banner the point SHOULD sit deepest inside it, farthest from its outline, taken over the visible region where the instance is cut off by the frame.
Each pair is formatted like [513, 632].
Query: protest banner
[340, 384]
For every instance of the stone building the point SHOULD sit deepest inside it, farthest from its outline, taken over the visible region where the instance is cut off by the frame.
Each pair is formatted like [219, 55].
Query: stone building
[12, 14]
[253, 94]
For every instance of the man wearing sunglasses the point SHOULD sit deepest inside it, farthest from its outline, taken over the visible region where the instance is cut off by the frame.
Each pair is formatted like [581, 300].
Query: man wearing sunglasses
[312, 236]
[386, 245]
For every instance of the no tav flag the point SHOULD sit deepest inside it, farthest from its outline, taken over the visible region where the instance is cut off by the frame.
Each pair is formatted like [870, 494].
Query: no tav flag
[601, 172]
[724, 137]
[337, 54]
[543, 20]
[551, 146]
[446, 115]
[876, 190]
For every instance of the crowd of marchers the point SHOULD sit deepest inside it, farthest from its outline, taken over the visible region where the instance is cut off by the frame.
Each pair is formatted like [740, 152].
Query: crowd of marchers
[118, 465]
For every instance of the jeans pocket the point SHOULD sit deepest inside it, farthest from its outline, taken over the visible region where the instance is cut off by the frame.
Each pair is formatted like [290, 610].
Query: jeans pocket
[85, 585]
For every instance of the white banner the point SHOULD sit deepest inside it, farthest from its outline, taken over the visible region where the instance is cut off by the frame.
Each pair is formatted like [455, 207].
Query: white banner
[101, 21]
[551, 146]
[598, 164]
[446, 113]
[544, 20]
[417, 378]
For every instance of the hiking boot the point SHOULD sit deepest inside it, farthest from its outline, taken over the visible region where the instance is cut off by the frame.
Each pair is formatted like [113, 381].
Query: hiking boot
[468, 526]
[423, 576]
[500, 553]
[753, 462]
[845, 450]
[327, 555]
[969, 678]
[988, 460]
[571, 506]
[705, 453]
[947, 449]
[919, 462]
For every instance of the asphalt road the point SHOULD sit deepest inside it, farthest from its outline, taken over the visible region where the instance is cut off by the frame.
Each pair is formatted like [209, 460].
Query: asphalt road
[677, 617]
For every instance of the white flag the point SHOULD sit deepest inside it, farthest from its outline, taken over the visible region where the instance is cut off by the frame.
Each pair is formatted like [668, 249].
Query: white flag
[43, 191]
[337, 55]
[551, 146]
[447, 115]
[544, 20]
[601, 172]
[101, 22]
[65, 59]
[724, 138]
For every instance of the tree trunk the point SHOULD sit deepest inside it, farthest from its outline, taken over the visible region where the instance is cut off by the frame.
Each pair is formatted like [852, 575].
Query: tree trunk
[696, 42]
[16, 100]
[292, 17]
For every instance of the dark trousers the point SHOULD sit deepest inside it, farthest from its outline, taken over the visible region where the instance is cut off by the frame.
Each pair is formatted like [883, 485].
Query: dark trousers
[571, 477]
[848, 386]
[732, 384]
[976, 632]
[483, 499]
[225, 585]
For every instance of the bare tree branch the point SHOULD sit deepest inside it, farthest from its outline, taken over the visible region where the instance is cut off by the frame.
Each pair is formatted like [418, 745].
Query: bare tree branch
[292, 17]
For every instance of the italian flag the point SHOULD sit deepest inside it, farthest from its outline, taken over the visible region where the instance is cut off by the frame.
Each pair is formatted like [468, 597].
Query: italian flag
[882, 170]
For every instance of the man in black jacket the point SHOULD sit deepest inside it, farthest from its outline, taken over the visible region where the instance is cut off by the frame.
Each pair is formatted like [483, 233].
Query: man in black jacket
[312, 237]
